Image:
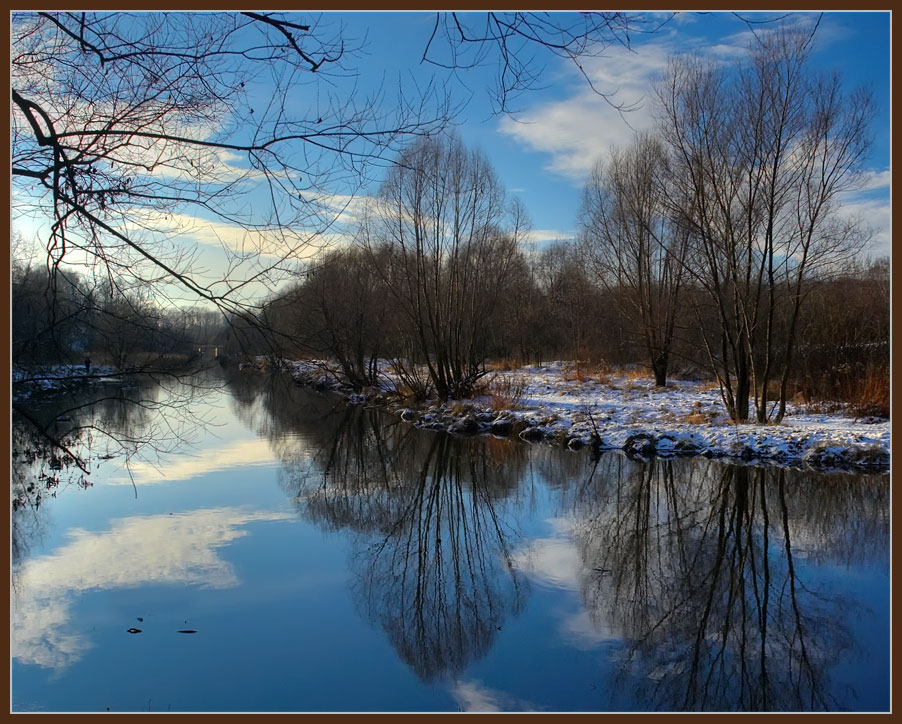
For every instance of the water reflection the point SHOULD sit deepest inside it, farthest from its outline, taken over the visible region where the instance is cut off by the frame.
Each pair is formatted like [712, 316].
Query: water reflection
[670, 585]
[138, 551]
[433, 528]
[701, 569]
[62, 437]
[708, 575]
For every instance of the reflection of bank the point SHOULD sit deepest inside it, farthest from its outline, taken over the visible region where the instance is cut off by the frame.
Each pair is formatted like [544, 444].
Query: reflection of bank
[433, 562]
[703, 575]
[697, 567]
[65, 435]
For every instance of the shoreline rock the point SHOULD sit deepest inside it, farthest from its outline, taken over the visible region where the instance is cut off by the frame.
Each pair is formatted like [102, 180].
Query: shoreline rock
[576, 430]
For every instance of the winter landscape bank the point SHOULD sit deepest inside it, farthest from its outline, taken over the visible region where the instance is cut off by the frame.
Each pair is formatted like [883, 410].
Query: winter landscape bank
[557, 403]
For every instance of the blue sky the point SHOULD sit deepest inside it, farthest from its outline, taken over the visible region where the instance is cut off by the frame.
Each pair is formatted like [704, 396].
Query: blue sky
[545, 152]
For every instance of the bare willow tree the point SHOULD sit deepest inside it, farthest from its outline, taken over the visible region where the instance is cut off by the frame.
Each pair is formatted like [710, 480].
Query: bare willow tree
[444, 237]
[133, 132]
[636, 245]
[765, 152]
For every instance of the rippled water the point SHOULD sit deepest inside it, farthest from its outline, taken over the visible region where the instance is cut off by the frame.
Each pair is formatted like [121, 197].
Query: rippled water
[332, 558]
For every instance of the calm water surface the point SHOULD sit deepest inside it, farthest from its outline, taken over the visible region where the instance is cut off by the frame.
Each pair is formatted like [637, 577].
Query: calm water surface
[329, 558]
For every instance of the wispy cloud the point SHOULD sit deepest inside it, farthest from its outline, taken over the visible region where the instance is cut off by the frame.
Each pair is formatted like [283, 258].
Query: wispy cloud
[877, 214]
[556, 562]
[235, 239]
[877, 180]
[235, 454]
[582, 127]
[541, 236]
[578, 129]
[553, 561]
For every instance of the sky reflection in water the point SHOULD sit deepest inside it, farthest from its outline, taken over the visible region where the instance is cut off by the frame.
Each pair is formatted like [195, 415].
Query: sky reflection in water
[332, 558]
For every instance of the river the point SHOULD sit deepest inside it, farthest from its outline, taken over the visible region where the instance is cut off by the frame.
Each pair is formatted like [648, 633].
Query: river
[243, 544]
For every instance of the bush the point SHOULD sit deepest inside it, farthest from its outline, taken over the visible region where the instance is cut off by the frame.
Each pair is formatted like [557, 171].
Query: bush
[506, 391]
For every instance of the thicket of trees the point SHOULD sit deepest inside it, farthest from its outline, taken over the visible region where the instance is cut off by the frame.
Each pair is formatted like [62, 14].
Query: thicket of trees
[712, 240]
[763, 155]
[636, 244]
[709, 244]
[735, 200]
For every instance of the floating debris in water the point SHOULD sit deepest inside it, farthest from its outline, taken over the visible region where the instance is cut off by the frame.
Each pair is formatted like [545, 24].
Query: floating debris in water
[187, 630]
[134, 630]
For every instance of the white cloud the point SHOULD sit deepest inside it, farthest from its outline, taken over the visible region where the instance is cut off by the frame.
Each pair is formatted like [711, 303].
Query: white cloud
[579, 129]
[136, 551]
[556, 562]
[539, 236]
[473, 696]
[874, 180]
[877, 213]
[584, 632]
[234, 239]
[236, 454]
[553, 561]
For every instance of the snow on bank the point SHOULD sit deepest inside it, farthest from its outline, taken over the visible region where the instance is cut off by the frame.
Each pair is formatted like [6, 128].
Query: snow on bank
[27, 382]
[620, 411]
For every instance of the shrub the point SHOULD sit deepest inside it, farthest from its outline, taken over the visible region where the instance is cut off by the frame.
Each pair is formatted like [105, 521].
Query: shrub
[506, 391]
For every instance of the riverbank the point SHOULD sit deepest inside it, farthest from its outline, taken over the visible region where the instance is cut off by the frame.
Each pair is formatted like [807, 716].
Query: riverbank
[622, 410]
[29, 382]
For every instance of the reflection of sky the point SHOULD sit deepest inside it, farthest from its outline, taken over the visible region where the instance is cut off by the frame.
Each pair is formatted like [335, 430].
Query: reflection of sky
[475, 697]
[233, 454]
[555, 562]
[156, 549]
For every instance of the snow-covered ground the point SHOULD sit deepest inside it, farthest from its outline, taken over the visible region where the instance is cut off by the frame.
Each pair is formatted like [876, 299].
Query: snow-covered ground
[625, 411]
[54, 377]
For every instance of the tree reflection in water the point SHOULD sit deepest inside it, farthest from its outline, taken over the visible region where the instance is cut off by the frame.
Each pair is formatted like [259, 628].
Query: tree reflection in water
[61, 437]
[704, 570]
[433, 524]
[441, 580]
[696, 565]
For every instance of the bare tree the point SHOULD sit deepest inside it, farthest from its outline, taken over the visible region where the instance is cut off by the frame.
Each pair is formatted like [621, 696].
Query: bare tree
[127, 129]
[764, 153]
[636, 244]
[341, 314]
[451, 237]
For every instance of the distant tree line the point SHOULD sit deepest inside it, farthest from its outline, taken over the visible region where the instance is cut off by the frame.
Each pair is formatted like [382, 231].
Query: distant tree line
[66, 318]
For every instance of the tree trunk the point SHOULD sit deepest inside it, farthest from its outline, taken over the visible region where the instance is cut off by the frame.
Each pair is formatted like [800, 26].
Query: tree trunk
[659, 367]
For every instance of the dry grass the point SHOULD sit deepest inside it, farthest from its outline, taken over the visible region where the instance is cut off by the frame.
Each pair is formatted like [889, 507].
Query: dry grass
[636, 373]
[861, 390]
[506, 364]
[506, 392]
[575, 373]
[700, 417]
[587, 372]
[628, 379]
[822, 407]
[868, 395]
